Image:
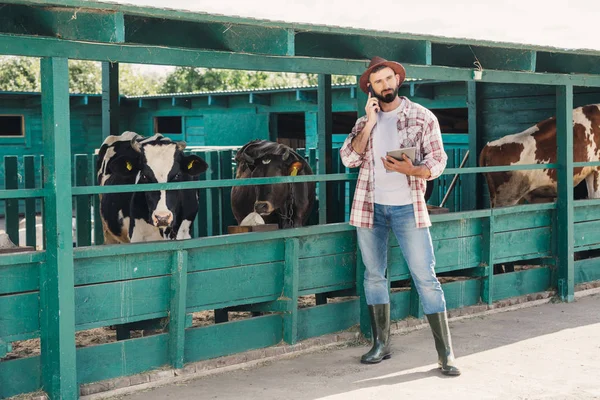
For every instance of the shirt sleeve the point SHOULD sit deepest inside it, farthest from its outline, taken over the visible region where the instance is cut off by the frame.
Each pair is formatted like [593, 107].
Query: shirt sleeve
[350, 158]
[434, 156]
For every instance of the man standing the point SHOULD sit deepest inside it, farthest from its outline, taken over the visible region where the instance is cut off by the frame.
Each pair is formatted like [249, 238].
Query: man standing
[390, 194]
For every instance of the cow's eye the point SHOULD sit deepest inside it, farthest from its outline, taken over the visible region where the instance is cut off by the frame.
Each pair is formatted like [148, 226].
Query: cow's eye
[266, 160]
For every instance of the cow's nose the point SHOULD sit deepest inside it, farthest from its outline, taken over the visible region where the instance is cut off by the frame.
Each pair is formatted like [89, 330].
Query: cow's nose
[261, 207]
[162, 218]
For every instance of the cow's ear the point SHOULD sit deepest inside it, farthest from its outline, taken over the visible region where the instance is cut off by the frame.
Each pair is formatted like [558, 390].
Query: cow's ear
[124, 166]
[295, 168]
[193, 165]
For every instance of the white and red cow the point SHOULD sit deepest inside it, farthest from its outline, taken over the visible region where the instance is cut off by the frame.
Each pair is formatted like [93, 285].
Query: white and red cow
[537, 145]
[152, 215]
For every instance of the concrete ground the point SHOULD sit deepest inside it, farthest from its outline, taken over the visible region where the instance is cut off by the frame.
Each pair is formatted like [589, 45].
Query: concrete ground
[550, 351]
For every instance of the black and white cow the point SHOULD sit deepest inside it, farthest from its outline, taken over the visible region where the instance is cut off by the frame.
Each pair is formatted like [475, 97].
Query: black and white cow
[153, 215]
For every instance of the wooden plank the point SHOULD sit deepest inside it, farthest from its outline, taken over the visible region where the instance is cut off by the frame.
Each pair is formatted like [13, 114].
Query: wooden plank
[490, 58]
[462, 293]
[327, 318]
[234, 286]
[11, 181]
[587, 270]
[98, 230]
[233, 337]
[519, 283]
[523, 220]
[487, 257]
[177, 308]
[110, 99]
[290, 290]
[451, 229]
[127, 266]
[127, 300]
[399, 305]
[201, 222]
[564, 201]
[522, 242]
[327, 244]
[324, 129]
[20, 376]
[227, 218]
[57, 315]
[215, 194]
[327, 271]
[30, 204]
[20, 314]
[586, 233]
[567, 63]
[112, 360]
[584, 212]
[83, 204]
[222, 256]
[19, 278]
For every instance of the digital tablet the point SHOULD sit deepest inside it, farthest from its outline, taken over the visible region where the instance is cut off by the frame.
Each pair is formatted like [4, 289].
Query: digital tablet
[409, 151]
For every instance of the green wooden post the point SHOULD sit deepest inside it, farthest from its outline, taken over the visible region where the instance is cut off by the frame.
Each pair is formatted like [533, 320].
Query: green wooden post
[201, 223]
[11, 181]
[564, 206]
[226, 173]
[110, 99]
[487, 248]
[83, 215]
[98, 231]
[215, 194]
[177, 308]
[57, 295]
[30, 212]
[290, 290]
[324, 123]
[472, 183]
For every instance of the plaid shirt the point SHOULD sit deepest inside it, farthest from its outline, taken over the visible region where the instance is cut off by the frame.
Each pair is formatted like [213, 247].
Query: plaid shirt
[417, 127]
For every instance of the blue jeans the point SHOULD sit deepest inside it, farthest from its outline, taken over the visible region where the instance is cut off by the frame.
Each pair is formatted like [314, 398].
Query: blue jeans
[417, 249]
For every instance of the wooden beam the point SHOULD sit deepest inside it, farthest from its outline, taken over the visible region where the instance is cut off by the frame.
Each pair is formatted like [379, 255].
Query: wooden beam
[362, 47]
[218, 101]
[57, 294]
[466, 56]
[64, 23]
[183, 102]
[324, 145]
[473, 183]
[567, 63]
[110, 99]
[213, 36]
[564, 205]
[421, 90]
[259, 99]
[308, 96]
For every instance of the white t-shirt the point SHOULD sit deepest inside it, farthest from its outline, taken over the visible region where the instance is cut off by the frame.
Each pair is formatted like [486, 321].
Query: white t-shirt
[391, 188]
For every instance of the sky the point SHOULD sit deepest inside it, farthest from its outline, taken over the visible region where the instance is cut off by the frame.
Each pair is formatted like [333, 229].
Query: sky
[564, 25]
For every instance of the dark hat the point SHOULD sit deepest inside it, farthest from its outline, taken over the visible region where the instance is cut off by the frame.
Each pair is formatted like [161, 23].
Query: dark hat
[375, 62]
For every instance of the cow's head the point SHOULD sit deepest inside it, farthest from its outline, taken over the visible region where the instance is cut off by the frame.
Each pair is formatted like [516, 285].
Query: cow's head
[275, 197]
[159, 160]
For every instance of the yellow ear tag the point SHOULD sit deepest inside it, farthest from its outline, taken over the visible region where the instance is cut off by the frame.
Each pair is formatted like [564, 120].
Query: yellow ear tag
[191, 164]
[128, 166]
[294, 171]
[295, 168]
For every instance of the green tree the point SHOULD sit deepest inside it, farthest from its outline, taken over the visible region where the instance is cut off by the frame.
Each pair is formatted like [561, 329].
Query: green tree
[85, 77]
[20, 74]
[134, 83]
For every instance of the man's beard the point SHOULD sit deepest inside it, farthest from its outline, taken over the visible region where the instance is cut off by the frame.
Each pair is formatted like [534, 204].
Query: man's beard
[388, 97]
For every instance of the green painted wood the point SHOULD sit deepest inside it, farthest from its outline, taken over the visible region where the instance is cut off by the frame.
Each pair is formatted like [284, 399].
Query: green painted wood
[215, 36]
[586, 234]
[523, 220]
[564, 200]
[20, 314]
[327, 272]
[234, 337]
[123, 358]
[291, 285]
[536, 241]
[177, 315]
[247, 284]
[399, 305]
[30, 204]
[56, 275]
[18, 278]
[110, 99]
[327, 318]
[201, 223]
[324, 126]
[487, 257]
[490, 58]
[459, 227]
[520, 283]
[110, 269]
[126, 300]
[567, 63]
[20, 376]
[587, 270]
[230, 255]
[328, 244]
[98, 230]
[462, 293]
[583, 211]
[216, 195]
[83, 203]
[227, 218]
[472, 184]
[11, 181]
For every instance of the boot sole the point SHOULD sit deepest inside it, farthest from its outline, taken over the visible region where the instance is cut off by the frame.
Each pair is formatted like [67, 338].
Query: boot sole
[386, 357]
[451, 373]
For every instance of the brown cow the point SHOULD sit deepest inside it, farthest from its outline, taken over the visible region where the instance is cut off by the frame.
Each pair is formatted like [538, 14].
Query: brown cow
[537, 145]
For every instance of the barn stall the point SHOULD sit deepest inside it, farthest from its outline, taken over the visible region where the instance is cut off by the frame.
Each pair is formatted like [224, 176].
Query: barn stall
[59, 293]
